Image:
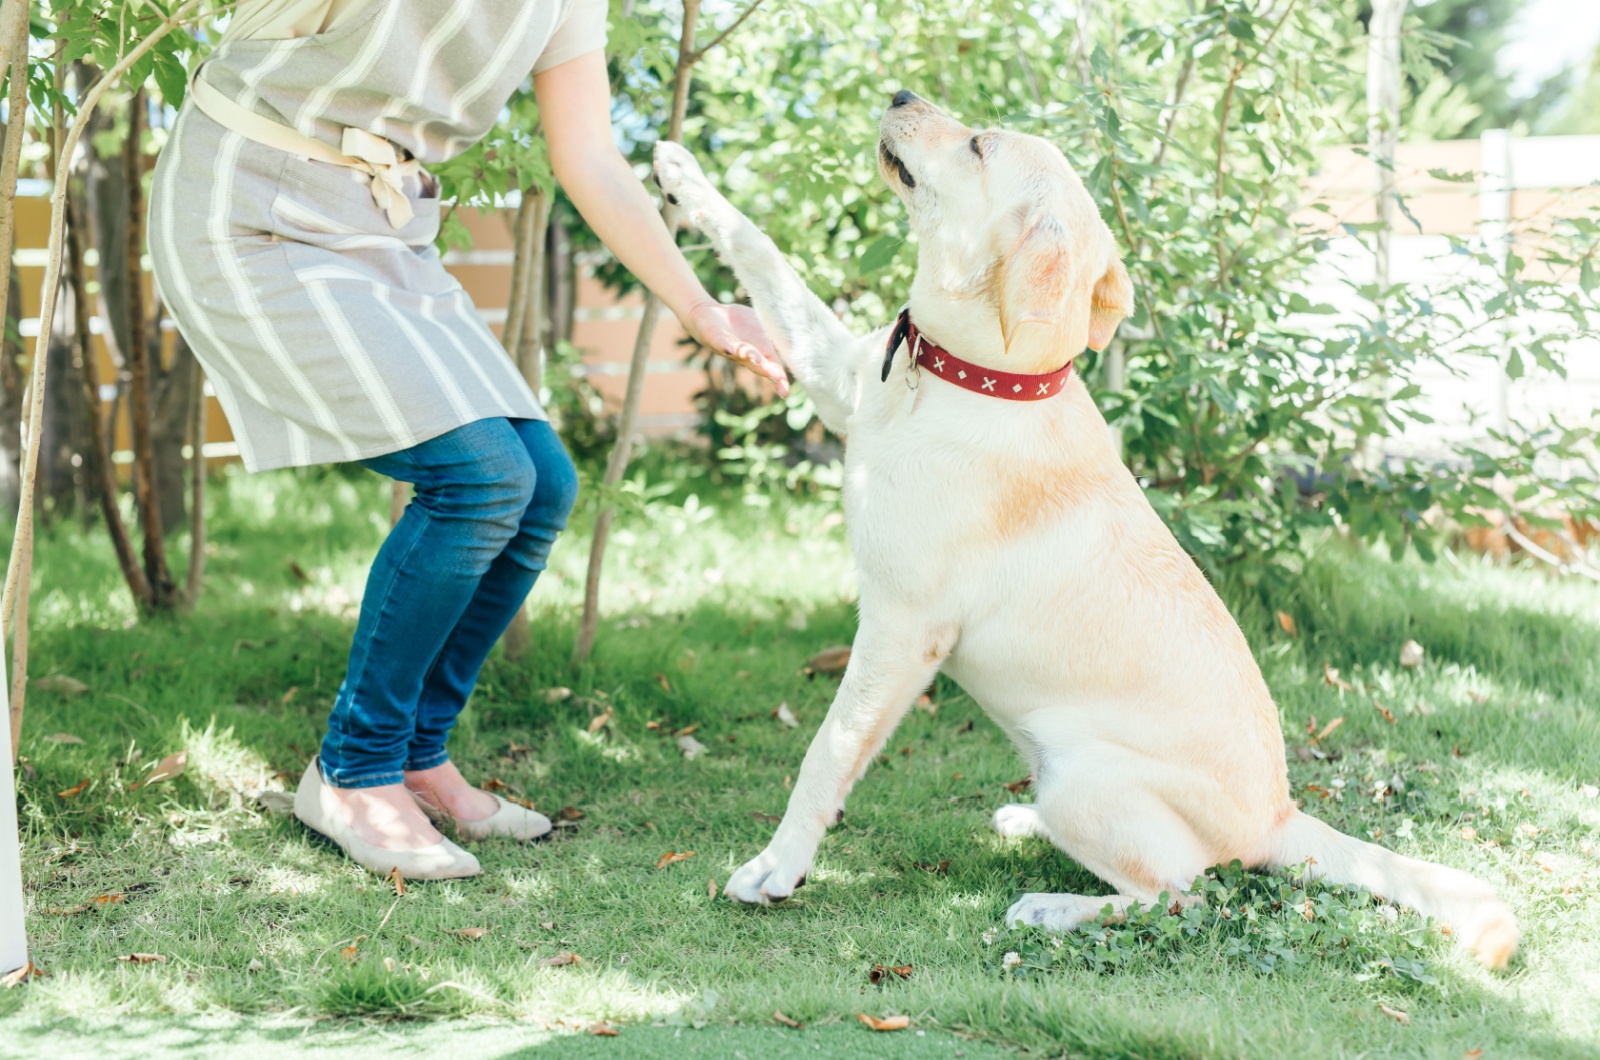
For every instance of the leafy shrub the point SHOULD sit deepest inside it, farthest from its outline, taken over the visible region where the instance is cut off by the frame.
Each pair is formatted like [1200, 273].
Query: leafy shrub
[1270, 924]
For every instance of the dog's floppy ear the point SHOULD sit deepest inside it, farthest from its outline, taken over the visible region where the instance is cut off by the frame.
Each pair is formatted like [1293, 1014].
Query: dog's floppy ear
[1111, 301]
[1035, 280]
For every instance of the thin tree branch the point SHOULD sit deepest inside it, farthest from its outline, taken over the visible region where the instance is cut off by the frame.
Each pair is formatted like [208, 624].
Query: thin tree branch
[622, 450]
[719, 38]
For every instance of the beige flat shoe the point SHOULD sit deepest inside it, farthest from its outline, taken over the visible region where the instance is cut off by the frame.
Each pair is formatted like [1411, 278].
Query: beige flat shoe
[315, 806]
[509, 819]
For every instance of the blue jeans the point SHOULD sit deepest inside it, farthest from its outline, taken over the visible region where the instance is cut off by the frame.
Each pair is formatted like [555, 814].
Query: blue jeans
[491, 498]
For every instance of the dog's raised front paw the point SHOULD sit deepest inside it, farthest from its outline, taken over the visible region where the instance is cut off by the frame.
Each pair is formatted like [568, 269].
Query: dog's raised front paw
[764, 880]
[683, 181]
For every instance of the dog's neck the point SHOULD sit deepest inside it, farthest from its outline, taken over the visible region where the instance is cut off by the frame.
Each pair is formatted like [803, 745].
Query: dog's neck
[968, 325]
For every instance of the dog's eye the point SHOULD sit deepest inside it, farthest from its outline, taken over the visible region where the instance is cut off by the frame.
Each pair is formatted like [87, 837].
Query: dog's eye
[977, 149]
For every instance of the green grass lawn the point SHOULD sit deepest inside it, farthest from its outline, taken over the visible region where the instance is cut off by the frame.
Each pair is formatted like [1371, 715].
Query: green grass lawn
[273, 943]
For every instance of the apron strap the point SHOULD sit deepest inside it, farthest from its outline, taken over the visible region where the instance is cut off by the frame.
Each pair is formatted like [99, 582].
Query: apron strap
[363, 151]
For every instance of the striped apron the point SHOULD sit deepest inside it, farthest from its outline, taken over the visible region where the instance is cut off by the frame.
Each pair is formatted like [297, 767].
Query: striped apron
[312, 292]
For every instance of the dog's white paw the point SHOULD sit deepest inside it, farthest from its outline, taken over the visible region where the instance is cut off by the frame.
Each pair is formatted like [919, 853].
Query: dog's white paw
[763, 880]
[1017, 819]
[683, 182]
[1057, 912]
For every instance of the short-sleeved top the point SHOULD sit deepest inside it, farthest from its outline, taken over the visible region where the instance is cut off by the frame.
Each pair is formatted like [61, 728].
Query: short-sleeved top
[327, 333]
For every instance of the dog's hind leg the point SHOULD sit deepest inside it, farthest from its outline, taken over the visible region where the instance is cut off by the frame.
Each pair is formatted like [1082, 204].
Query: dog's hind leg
[1128, 837]
[889, 666]
[810, 339]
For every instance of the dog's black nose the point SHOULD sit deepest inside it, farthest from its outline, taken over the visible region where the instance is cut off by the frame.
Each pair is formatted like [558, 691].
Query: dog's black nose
[902, 97]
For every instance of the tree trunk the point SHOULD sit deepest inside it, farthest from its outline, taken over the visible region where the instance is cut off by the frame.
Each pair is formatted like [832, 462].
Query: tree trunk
[13, 25]
[524, 324]
[622, 450]
[174, 408]
[98, 469]
[58, 485]
[163, 593]
[560, 270]
[197, 487]
[11, 384]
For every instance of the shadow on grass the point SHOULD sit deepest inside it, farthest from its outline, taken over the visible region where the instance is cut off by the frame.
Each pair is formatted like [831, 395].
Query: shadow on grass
[483, 1041]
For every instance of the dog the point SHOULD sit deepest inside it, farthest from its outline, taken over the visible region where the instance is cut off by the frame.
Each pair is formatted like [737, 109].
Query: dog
[1001, 541]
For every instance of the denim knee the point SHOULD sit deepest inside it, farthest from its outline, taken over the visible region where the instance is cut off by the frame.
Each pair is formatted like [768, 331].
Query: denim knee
[555, 492]
[482, 475]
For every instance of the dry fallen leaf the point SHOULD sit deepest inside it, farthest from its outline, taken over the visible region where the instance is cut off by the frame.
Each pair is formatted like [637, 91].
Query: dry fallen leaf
[829, 660]
[879, 973]
[1394, 1014]
[1469, 833]
[941, 869]
[1411, 655]
[785, 715]
[1472, 1054]
[557, 695]
[110, 899]
[63, 737]
[169, 767]
[672, 857]
[561, 960]
[691, 747]
[1331, 678]
[278, 802]
[67, 686]
[1326, 729]
[1388, 715]
[766, 818]
[398, 880]
[471, 934]
[601, 1030]
[1022, 785]
[143, 958]
[73, 791]
[288, 696]
[570, 813]
[687, 729]
[351, 952]
[661, 679]
[23, 974]
[711, 887]
[892, 1023]
[778, 1015]
[1320, 791]
[299, 572]
[600, 721]
[1286, 623]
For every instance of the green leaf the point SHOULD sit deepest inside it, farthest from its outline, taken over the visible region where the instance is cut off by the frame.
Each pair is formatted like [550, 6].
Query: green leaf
[171, 78]
[881, 253]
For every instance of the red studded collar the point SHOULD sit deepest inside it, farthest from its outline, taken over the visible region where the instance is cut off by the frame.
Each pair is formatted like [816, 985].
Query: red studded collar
[936, 360]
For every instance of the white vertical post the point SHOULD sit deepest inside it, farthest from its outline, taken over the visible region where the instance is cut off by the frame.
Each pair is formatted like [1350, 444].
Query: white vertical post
[1494, 224]
[13, 939]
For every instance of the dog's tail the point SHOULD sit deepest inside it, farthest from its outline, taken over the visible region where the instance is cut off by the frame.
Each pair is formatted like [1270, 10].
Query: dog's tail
[1477, 917]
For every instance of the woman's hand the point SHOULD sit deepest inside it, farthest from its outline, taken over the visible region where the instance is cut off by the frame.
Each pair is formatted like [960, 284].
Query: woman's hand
[735, 332]
[575, 107]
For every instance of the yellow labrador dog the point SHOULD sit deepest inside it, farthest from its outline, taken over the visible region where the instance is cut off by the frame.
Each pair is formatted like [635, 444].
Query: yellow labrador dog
[999, 539]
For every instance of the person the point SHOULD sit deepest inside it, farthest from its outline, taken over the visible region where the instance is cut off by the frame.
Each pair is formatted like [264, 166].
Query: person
[292, 227]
